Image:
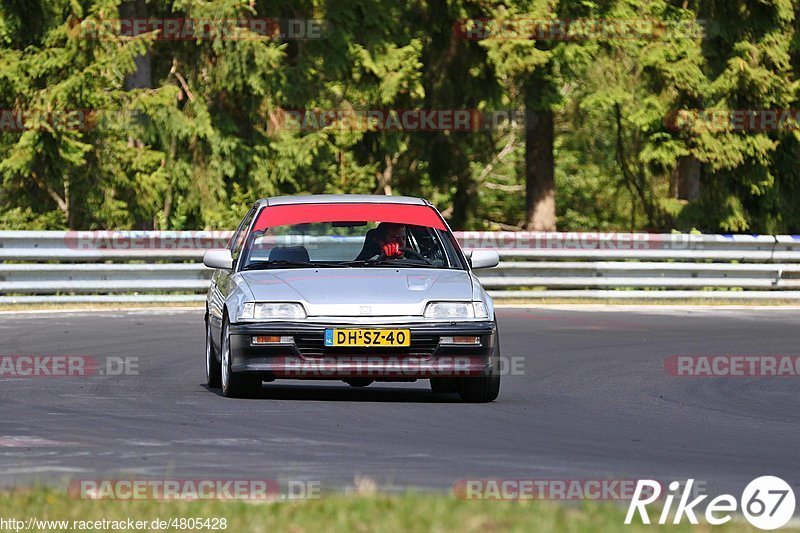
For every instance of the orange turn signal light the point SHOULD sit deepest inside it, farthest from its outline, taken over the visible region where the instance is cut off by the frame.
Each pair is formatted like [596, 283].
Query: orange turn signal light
[272, 339]
[462, 339]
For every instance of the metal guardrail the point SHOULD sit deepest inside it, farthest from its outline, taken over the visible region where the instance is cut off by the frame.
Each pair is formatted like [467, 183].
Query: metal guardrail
[139, 266]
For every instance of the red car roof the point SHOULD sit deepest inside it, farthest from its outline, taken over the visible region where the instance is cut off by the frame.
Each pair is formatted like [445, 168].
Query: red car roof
[281, 215]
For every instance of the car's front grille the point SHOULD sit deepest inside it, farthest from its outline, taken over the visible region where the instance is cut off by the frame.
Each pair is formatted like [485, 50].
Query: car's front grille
[313, 345]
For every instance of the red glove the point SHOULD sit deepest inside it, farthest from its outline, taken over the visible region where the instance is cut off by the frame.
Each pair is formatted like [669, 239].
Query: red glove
[392, 250]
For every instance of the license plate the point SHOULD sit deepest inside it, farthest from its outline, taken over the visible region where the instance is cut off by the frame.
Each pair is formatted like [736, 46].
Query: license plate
[367, 337]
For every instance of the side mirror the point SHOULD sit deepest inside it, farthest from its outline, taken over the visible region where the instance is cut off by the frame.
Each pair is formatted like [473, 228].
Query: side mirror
[484, 258]
[218, 258]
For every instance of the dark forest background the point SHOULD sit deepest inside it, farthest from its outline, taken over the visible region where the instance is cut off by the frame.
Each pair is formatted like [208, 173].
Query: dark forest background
[179, 132]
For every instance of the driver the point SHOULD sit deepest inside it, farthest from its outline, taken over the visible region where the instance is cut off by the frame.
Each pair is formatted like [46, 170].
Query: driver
[391, 239]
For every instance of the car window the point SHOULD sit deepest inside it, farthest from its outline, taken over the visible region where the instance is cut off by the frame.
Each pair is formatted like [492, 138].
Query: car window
[237, 241]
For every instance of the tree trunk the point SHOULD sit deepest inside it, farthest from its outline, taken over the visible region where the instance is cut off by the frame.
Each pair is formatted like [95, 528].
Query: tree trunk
[142, 78]
[685, 179]
[385, 177]
[540, 197]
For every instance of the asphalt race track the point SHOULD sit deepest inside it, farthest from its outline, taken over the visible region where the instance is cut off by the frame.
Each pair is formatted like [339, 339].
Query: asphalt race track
[593, 401]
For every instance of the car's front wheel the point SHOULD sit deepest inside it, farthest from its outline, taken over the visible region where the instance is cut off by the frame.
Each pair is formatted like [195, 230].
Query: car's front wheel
[213, 368]
[235, 384]
[483, 389]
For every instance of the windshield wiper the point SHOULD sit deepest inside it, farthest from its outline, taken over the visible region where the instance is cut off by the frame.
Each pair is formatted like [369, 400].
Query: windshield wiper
[386, 262]
[285, 263]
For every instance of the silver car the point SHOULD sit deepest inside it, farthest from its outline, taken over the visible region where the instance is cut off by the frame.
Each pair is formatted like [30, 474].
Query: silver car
[355, 288]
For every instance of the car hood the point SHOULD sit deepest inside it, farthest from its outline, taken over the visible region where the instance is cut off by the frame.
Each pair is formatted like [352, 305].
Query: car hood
[360, 291]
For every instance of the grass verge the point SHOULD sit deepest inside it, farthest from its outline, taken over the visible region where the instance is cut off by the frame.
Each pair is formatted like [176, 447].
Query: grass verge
[411, 511]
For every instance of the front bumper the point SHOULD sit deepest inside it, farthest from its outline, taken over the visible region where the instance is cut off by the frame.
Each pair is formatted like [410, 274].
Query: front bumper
[309, 358]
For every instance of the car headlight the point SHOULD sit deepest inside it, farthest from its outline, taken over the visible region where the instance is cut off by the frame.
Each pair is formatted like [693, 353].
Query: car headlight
[480, 310]
[267, 311]
[456, 310]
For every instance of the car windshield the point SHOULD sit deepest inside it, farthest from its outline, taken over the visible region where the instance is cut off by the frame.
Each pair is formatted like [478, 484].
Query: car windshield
[352, 244]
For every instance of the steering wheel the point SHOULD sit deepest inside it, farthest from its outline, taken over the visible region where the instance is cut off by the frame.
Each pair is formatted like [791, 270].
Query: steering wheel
[409, 252]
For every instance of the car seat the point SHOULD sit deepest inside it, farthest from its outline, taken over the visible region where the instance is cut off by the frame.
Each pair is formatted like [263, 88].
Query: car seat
[370, 248]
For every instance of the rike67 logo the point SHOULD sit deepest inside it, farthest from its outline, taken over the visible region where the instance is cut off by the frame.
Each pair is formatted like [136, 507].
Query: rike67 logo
[767, 503]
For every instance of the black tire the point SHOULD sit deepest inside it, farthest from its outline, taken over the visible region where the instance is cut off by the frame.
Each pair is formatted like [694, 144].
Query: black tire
[213, 367]
[444, 385]
[358, 382]
[483, 389]
[235, 384]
